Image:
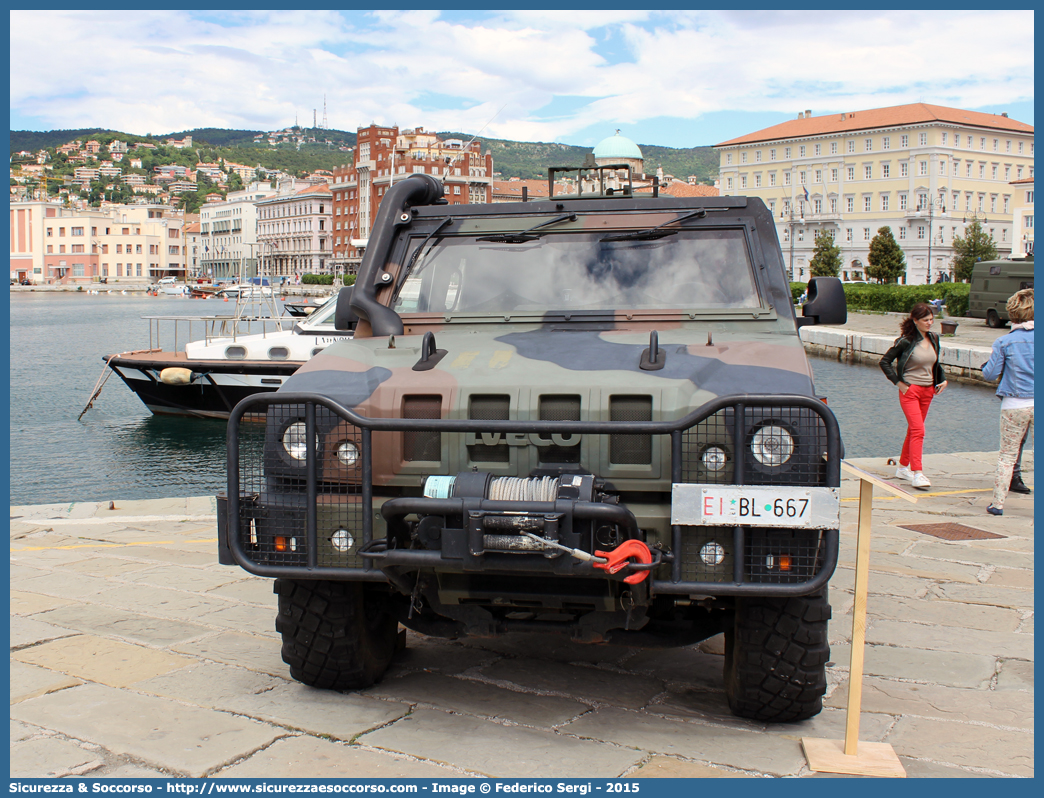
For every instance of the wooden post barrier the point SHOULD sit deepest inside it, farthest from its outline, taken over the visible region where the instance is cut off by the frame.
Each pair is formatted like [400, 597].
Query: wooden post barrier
[851, 756]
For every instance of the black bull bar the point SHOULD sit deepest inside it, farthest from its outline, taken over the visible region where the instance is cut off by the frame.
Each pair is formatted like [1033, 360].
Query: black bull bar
[231, 538]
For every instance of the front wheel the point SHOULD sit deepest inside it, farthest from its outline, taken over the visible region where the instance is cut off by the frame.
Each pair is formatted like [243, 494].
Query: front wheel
[993, 319]
[776, 652]
[336, 635]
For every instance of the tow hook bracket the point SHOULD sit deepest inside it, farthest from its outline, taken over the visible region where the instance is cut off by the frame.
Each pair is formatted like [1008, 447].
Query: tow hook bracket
[619, 558]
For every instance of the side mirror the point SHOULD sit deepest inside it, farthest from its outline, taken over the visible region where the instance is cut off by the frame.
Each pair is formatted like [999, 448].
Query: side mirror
[344, 316]
[826, 303]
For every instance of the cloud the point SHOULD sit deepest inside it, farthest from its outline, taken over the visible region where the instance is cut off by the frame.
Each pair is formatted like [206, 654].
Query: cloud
[163, 71]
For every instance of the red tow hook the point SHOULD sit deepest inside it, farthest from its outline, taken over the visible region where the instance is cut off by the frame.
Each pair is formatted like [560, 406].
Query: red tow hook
[619, 558]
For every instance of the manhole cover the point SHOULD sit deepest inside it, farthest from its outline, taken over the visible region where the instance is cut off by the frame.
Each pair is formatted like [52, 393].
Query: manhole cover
[952, 531]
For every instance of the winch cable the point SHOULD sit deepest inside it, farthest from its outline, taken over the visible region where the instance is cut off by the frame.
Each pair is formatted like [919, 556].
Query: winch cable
[577, 553]
[524, 489]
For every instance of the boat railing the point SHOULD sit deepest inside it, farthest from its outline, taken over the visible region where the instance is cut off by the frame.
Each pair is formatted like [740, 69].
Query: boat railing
[187, 329]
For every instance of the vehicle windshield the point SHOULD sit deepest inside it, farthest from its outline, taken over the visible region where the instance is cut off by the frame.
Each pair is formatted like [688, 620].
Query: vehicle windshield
[693, 269]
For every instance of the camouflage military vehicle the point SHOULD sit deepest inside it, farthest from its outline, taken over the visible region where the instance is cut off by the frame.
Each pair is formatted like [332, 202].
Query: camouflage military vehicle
[590, 415]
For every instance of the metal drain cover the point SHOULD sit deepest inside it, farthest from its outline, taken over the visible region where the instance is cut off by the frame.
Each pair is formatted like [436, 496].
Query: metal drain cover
[951, 531]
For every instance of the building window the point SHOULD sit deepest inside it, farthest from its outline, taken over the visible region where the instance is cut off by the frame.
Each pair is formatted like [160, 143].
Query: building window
[904, 169]
[884, 202]
[50, 249]
[869, 146]
[833, 148]
[902, 233]
[851, 173]
[922, 139]
[833, 205]
[886, 143]
[968, 201]
[866, 233]
[866, 203]
[920, 231]
[801, 235]
[818, 149]
[728, 184]
[994, 171]
[1029, 197]
[982, 171]
[1018, 173]
[851, 145]
[848, 234]
[76, 231]
[1027, 221]
[743, 157]
[757, 181]
[802, 178]
[956, 168]
[801, 151]
[786, 152]
[786, 178]
[902, 202]
[1021, 144]
[817, 206]
[833, 175]
[75, 248]
[772, 178]
[982, 202]
[1007, 173]
[50, 232]
[944, 135]
[955, 201]
[993, 203]
[757, 156]
[850, 204]
[982, 143]
[923, 168]
[743, 184]
[868, 172]
[904, 142]
[885, 170]
[922, 202]
[996, 145]
[772, 155]
[819, 175]
[786, 207]
[772, 207]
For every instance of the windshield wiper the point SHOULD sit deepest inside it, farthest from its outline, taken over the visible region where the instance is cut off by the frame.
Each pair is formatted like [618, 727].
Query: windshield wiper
[655, 232]
[418, 250]
[526, 235]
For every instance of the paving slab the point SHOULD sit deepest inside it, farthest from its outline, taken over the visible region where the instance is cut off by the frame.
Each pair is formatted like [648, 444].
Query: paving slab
[711, 743]
[51, 757]
[583, 683]
[181, 578]
[886, 696]
[29, 631]
[161, 601]
[325, 759]
[1006, 752]
[665, 767]
[470, 697]
[985, 594]
[1012, 577]
[65, 585]
[235, 648]
[1015, 675]
[336, 715]
[22, 731]
[245, 618]
[207, 684]
[164, 734]
[943, 613]
[438, 655]
[550, 646]
[98, 659]
[679, 666]
[100, 620]
[947, 638]
[494, 749]
[105, 566]
[981, 552]
[254, 590]
[941, 667]
[25, 603]
[29, 681]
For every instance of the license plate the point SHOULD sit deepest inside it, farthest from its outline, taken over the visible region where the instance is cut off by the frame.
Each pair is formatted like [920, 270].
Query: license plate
[733, 505]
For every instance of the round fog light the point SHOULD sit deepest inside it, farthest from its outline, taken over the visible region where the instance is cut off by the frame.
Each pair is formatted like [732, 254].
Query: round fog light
[712, 553]
[295, 440]
[714, 458]
[772, 445]
[342, 540]
[348, 453]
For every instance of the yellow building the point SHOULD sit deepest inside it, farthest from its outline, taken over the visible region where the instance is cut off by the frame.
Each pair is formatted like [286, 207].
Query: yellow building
[1022, 209]
[923, 170]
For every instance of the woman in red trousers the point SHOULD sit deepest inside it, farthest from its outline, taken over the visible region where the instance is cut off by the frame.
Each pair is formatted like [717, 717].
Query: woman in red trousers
[912, 364]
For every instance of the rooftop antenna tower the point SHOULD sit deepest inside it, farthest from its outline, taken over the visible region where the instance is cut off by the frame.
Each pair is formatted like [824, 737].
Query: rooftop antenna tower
[313, 118]
[325, 126]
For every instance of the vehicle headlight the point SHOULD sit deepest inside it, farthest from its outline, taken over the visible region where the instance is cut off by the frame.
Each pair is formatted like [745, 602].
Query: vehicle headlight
[348, 454]
[772, 445]
[713, 458]
[342, 540]
[712, 553]
[295, 440]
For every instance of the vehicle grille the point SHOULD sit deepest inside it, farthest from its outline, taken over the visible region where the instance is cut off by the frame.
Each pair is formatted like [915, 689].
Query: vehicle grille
[489, 408]
[630, 449]
[773, 556]
[417, 445]
[559, 408]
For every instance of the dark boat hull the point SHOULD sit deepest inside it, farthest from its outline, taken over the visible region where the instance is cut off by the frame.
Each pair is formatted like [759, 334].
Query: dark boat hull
[215, 387]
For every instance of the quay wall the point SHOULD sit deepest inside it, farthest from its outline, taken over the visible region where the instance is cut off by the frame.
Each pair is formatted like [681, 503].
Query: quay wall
[960, 362]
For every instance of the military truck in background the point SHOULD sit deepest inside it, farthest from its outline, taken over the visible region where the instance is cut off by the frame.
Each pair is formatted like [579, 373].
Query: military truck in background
[589, 415]
[993, 282]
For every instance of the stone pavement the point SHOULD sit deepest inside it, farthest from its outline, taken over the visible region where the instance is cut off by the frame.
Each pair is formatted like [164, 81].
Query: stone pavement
[867, 336]
[134, 654]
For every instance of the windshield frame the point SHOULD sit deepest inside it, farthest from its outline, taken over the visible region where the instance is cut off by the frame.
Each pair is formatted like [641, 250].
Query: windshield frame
[409, 243]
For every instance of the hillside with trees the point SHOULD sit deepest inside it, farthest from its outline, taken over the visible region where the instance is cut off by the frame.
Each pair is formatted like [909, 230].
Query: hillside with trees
[510, 158]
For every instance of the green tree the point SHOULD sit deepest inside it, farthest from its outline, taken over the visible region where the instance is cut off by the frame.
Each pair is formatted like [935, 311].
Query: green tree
[235, 182]
[886, 259]
[976, 245]
[826, 259]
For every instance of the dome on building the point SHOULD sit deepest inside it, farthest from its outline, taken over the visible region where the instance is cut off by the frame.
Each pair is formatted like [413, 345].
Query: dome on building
[617, 147]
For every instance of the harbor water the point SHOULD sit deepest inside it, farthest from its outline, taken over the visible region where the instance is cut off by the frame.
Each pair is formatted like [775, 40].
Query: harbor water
[119, 450]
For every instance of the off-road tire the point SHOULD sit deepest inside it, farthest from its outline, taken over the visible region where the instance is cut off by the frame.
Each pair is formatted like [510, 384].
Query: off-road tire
[775, 658]
[993, 319]
[336, 635]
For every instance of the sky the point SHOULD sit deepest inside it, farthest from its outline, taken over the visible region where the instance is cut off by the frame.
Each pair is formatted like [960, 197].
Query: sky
[670, 78]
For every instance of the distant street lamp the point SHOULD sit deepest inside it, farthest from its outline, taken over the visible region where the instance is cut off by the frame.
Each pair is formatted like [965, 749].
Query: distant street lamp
[932, 204]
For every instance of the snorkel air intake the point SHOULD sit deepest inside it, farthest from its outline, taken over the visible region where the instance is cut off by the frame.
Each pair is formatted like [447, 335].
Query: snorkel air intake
[392, 214]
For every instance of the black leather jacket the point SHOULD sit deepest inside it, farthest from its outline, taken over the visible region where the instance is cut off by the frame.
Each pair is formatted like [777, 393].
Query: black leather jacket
[900, 355]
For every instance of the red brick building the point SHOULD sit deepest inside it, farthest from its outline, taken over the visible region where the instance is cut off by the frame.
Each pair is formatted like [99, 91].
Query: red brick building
[383, 157]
